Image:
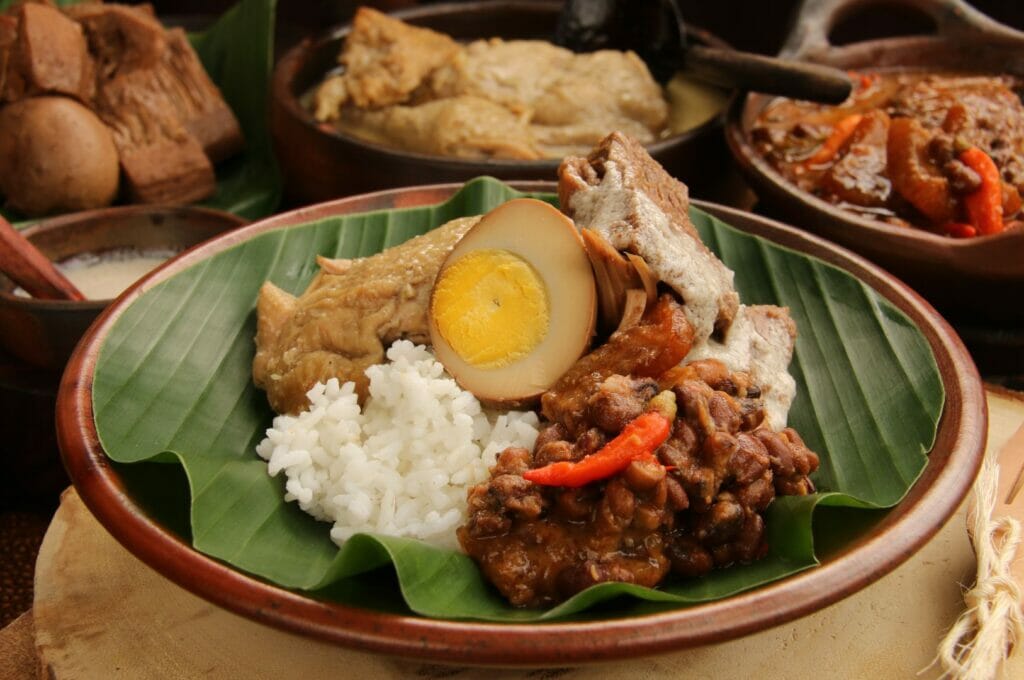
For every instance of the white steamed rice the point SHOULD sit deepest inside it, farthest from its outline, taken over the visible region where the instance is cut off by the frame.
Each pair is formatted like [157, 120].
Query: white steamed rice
[403, 466]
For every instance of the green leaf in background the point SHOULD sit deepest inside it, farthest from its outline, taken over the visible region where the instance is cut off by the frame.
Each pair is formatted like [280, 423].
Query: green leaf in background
[172, 384]
[238, 53]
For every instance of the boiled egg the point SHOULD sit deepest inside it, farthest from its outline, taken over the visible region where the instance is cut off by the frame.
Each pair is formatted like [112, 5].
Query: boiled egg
[514, 304]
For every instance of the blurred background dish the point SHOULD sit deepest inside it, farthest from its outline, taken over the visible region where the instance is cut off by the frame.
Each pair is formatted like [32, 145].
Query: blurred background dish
[43, 332]
[318, 162]
[37, 336]
[112, 104]
[246, 184]
[975, 282]
[763, 28]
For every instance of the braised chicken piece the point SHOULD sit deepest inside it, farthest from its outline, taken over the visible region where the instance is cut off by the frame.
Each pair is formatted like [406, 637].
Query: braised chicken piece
[463, 126]
[351, 311]
[418, 90]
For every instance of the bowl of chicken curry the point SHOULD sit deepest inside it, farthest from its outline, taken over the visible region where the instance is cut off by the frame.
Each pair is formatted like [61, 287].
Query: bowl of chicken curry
[455, 91]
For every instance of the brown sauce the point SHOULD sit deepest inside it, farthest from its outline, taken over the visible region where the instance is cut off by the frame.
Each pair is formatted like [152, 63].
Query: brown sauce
[697, 504]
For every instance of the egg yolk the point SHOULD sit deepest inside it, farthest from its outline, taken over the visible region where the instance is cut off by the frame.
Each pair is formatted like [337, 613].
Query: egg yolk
[492, 308]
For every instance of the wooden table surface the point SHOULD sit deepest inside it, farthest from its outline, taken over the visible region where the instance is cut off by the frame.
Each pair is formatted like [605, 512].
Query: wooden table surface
[100, 613]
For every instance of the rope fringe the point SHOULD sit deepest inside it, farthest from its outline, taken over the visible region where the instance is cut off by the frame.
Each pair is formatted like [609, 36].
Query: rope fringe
[987, 633]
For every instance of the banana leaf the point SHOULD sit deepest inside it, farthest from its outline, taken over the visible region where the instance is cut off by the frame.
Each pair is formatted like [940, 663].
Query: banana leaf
[238, 52]
[172, 387]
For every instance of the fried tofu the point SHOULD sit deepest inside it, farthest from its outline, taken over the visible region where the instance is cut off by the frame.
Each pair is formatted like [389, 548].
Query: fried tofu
[626, 197]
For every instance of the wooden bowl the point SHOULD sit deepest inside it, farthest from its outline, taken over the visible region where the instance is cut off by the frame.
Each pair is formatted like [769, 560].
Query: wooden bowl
[318, 165]
[891, 539]
[43, 332]
[977, 280]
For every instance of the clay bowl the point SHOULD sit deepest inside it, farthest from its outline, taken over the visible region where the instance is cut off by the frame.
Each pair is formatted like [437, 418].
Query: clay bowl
[891, 538]
[980, 280]
[318, 165]
[43, 332]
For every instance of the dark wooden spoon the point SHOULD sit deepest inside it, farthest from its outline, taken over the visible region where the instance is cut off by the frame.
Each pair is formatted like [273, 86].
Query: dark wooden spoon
[654, 29]
[32, 270]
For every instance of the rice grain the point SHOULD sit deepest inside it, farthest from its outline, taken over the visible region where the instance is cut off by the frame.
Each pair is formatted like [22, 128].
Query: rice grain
[403, 464]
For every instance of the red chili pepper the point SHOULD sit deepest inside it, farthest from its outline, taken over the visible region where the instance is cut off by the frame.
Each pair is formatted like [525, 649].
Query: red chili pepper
[985, 204]
[840, 133]
[640, 438]
[864, 80]
[960, 230]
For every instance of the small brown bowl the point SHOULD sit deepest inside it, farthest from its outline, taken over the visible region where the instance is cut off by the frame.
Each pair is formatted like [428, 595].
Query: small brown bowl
[43, 332]
[318, 164]
[890, 539]
[979, 279]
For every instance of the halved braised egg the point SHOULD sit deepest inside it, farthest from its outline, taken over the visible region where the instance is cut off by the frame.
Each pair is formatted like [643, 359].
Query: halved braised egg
[514, 304]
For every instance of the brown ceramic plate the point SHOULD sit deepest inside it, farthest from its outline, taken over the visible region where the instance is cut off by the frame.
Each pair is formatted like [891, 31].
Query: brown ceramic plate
[979, 279]
[318, 164]
[891, 538]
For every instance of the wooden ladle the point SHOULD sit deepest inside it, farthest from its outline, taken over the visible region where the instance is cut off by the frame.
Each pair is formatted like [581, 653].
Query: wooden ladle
[655, 31]
[32, 270]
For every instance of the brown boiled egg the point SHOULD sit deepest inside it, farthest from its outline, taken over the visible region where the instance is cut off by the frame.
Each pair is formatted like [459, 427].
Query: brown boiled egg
[513, 306]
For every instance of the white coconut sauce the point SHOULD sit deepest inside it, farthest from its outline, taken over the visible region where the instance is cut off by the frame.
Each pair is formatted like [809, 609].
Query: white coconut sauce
[106, 275]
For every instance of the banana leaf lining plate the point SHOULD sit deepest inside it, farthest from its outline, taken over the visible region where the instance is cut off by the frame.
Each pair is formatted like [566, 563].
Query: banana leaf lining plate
[886, 538]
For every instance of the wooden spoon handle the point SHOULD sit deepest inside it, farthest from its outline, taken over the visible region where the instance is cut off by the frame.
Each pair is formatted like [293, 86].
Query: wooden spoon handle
[745, 71]
[30, 269]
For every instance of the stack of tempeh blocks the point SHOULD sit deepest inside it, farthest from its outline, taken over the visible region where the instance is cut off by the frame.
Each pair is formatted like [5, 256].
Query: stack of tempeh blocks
[168, 119]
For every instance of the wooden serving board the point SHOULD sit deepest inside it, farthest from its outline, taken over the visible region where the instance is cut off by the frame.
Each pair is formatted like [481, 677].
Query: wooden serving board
[100, 613]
